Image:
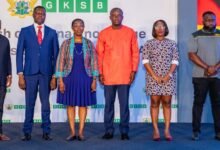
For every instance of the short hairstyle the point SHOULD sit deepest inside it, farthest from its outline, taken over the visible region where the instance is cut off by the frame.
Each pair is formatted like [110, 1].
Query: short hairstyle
[154, 31]
[77, 19]
[116, 9]
[39, 7]
[208, 13]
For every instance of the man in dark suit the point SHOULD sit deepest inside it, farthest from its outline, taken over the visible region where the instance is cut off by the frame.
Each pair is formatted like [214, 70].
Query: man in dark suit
[5, 77]
[39, 45]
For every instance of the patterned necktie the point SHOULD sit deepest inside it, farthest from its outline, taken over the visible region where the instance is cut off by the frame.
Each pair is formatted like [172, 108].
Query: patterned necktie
[39, 34]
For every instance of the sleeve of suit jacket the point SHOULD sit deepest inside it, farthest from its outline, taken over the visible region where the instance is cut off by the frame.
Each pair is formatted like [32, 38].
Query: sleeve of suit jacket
[55, 51]
[20, 52]
[9, 59]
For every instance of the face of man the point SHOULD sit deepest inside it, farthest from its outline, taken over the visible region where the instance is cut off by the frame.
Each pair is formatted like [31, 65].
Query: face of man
[209, 22]
[78, 28]
[116, 18]
[39, 16]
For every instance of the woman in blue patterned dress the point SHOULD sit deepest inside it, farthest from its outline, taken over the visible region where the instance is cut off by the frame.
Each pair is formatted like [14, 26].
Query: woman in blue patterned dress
[160, 58]
[77, 71]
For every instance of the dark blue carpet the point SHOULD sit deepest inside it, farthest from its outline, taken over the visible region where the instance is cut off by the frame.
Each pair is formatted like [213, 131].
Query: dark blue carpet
[140, 138]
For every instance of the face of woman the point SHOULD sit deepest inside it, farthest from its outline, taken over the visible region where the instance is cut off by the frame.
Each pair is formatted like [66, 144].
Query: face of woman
[160, 29]
[78, 28]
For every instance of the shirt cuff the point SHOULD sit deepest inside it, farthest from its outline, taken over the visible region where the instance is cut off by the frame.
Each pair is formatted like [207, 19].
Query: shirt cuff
[175, 62]
[21, 73]
[145, 61]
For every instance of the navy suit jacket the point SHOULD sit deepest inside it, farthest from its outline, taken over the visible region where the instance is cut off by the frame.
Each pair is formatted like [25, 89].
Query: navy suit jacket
[37, 58]
[5, 58]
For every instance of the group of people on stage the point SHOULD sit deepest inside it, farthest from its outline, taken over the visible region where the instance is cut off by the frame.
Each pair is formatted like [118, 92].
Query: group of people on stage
[76, 66]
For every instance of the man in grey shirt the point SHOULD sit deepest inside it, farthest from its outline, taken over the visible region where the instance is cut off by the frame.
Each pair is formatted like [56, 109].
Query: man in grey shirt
[204, 52]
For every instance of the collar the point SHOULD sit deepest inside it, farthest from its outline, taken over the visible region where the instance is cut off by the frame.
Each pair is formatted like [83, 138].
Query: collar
[205, 31]
[36, 25]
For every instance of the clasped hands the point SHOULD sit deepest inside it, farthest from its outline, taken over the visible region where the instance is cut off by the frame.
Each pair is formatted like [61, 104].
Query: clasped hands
[210, 71]
[161, 80]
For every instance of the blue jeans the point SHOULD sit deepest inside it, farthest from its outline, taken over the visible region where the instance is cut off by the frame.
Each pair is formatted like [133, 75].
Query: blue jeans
[123, 95]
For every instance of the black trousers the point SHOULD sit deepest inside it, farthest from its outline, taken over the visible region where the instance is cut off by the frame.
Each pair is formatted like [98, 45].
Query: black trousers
[2, 98]
[201, 88]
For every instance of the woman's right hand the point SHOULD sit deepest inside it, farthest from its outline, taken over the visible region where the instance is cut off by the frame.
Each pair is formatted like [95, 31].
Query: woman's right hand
[61, 86]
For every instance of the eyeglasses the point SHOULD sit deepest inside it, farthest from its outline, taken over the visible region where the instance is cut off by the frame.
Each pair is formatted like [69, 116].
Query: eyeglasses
[159, 27]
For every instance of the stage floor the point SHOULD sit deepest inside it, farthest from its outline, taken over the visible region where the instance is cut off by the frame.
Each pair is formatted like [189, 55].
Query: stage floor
[140, 138]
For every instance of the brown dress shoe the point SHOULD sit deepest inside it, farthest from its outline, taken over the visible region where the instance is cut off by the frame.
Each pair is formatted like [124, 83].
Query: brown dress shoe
[4, 137]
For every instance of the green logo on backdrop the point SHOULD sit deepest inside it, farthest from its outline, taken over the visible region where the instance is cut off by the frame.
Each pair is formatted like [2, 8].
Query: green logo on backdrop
[134, 106]
[116, 120]
[37, 121]
[100, 5]
[19, 106]
[6, 121]
[50, 5]
[137, 106]
[8, 90]
[174, 105]
[160, 120]
[87, 120]
[59, 106]
[98, 106]
[66, 6]
[81, 6]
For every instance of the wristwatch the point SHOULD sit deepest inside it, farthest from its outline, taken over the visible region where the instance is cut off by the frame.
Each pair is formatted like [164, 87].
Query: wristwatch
[170, 74]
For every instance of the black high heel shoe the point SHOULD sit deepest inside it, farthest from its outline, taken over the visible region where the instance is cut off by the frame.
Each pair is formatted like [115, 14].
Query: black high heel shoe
[71, 138]
[81, 138]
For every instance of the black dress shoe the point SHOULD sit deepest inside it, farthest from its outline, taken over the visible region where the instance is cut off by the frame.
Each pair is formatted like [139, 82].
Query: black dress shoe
[26, 137]
[71, 138]
[217, 136]
[46, 137]
[195, 136]
[107, 136]
[124, 136]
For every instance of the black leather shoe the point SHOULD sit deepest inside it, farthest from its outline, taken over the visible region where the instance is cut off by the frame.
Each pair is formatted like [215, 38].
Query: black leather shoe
[71, 138]
[124, 136]
[46, 137]
[195, 136]
[26, 137]
[107, 136]
[217, 136]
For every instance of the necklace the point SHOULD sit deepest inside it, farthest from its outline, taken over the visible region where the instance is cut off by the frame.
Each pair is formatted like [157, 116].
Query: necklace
[77, 52]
